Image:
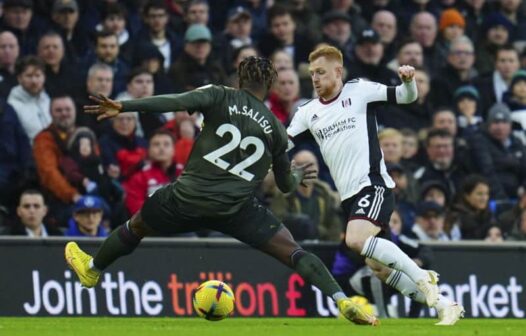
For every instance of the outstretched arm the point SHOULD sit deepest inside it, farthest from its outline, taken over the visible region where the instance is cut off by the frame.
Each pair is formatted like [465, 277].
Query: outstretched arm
[196, 100]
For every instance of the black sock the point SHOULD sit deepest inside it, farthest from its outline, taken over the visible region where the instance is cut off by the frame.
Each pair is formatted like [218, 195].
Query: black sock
[312, 269]
[120, 242]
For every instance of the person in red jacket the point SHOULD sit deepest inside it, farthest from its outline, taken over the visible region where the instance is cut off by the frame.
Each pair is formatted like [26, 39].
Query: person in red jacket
[158, 171]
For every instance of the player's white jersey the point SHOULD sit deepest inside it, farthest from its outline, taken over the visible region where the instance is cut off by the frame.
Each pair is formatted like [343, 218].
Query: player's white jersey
[347, 135]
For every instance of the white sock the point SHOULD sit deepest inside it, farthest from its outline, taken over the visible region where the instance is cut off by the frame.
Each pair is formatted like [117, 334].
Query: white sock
[407, 287]
[387, 253]
[338, 296]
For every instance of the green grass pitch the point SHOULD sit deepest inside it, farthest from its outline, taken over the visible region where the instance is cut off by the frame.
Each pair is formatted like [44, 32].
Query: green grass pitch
[75, 326]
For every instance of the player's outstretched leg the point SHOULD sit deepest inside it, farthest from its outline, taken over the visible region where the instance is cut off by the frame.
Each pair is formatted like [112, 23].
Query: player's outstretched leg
[361, 237]
[449, 312]
[122, 241]
[283, 247]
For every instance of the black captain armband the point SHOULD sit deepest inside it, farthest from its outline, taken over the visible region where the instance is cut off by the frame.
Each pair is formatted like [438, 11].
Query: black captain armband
[391, 94]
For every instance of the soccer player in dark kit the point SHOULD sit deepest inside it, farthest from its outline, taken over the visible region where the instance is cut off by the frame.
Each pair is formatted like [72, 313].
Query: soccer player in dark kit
[240, 141]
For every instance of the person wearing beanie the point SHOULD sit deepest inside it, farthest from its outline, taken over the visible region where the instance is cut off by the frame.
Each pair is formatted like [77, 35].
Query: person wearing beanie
[515, 98]
[495, 32]
[452, 24]
[499, 155]
[467, 100]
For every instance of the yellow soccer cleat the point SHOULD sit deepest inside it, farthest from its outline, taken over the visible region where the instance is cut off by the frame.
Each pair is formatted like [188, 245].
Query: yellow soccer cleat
[78, 261]
[354, 313]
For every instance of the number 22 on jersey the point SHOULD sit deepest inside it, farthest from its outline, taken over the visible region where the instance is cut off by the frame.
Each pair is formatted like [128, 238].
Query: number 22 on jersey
[214, 157]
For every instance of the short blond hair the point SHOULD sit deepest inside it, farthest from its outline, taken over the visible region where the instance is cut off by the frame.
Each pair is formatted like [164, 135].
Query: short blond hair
[387, 133]
[328, 52]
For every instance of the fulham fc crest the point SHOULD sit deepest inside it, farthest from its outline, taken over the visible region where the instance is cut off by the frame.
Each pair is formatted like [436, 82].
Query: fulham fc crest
[346, 102]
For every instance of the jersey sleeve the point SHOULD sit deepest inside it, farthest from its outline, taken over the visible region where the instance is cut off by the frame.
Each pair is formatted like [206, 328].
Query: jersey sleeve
[297, 126]
[200, 99]
[377, 92]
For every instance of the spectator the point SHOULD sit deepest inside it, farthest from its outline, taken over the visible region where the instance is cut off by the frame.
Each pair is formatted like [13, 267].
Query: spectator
[384, 22]
[515, 98]
[283, 99]
[423, 29]
[16, 158]
[307, 20]
[87, 218]
[237, 34]
[31, 211]
[107, 52]
[470, 217]
[157, 32]
[82, 167]
[493, 86]
[65, 17]
[158, 171]
[239, 55]
[494, 235]
[9, 52]
[337, 31]
[368, 53]
[466, 105]
[353, 10]
[58, 72]
[499, 155]
[507, 218]
[451, 25]
[258, 10]
[410, 147]
[283, 35]
[98, 81]
[444, 118]
[197, 12]
[50, 147]
[405, 194]
[410, 52]
[29, 98]
[196, 67]
[114, 19]
[185, 143]
[18, 18]
[441, 165]
[429, 224]
[122, 150]
[435, 191]
[519, 229]
[140, 85]
[311, 212]
[282, 60]
[458, 71]
[148, 56]
[474, 13]
[512, 11]
[495, 33]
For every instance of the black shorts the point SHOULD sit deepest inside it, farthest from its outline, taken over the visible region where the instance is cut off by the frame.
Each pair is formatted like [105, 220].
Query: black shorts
[253, 224]
[373, 203]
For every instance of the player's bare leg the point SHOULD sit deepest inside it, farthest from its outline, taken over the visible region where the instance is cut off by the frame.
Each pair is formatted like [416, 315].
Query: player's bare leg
[122, 241]
[361, 237]
[283, 247]
[449, 312]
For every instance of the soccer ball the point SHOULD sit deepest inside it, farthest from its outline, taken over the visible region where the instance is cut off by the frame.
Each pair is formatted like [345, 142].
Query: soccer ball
[364, 304]
[214, 300]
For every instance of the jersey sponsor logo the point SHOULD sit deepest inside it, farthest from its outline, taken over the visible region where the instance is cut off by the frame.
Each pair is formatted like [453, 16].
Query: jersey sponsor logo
[341, 125]
[346, 102]
[254, 115]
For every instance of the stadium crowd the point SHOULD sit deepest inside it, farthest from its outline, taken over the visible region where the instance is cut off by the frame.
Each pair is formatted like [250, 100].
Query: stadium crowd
[457, 154]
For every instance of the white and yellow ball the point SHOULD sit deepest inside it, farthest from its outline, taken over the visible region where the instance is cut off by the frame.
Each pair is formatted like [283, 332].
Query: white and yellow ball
[214, 300]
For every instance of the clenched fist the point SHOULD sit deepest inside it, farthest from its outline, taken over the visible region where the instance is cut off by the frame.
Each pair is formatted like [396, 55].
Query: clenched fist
[406, 73]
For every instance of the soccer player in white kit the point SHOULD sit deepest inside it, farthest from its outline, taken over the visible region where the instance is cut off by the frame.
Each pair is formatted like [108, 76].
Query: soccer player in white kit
[346, 131]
